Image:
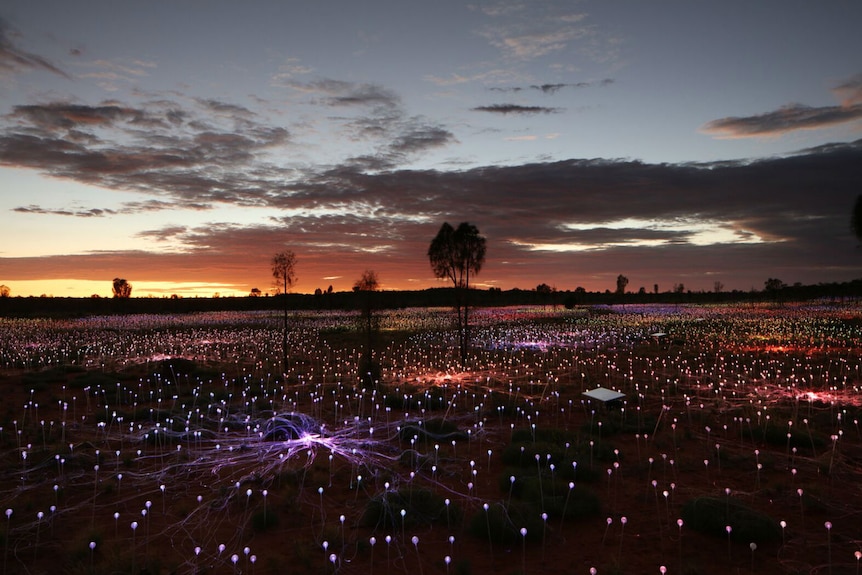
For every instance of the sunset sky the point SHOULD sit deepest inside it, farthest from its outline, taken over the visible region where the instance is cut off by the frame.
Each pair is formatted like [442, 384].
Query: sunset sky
[181, 144]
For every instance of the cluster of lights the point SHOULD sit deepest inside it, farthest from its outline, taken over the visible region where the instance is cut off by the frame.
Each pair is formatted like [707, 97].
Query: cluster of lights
[217, 445]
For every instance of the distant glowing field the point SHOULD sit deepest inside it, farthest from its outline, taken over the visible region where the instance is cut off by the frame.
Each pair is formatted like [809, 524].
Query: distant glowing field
[177, 444]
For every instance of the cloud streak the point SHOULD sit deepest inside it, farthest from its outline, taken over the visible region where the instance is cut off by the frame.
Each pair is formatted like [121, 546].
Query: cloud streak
[553, 88]
[794, 116]
[15, 60]
[516, 109]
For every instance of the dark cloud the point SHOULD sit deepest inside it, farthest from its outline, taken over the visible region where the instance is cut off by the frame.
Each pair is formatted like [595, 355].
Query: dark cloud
[168, 233]
[794, 116]
[735, 221]
[158, 148]
[87, 213]
[419, 138]
[516, 109]
[341, 93]
[786, 214]
[850, 91]
[62, 116]
[553, 88]
[226, 108]
[377, 116]
[126, 208]
[783, 120]
[15, 60]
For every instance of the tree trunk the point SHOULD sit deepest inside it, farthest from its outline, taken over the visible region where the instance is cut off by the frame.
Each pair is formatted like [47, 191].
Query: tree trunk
[284, 334]
[465, 336]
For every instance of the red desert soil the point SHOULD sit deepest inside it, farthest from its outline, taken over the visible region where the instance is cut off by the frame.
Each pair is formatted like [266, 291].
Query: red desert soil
[208, 489]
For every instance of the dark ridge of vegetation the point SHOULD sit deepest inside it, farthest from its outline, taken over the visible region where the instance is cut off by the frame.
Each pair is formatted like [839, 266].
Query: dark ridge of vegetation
[431, 297]
[614, 422]
[57, 374]
[102, 380]
[502, 523]
[421, 507]
[550, 493]
[802, 439]
[712, 515]
[539, 448]
[264, 521]
[544, 435]
[174, 367]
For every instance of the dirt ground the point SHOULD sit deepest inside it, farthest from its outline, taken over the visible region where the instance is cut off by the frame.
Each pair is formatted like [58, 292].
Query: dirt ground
[91, 467]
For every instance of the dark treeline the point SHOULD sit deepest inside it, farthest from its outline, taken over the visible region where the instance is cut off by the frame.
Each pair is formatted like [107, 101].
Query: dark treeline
[432, 297]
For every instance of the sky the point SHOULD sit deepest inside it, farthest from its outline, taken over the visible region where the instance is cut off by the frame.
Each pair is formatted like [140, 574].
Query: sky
[181, 144]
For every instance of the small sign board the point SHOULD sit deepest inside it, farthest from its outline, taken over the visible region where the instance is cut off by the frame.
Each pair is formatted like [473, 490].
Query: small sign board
[604, 395]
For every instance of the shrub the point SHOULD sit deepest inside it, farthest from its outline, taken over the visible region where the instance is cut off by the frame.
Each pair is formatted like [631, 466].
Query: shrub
[551, 496]
[711, 515]
[579, 504]
[776, 435]
[263, 522]
[422, 506]
[503, 522]
[522, 451]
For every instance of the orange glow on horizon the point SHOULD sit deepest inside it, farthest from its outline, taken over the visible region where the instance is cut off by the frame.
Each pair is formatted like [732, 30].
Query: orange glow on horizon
[76, 288]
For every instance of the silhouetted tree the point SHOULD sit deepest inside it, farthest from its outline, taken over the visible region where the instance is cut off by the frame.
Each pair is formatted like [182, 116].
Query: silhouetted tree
[254, 292]
[284, 270]
[544, 291]
[773, 287]
[366, 285]
[717, 287]
[122, 288]
[284, 274]
[455, 254]
[622, 282]
[5, 291]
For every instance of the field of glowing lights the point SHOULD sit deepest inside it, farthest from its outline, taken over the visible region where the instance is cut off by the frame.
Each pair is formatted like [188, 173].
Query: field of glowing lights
[176, 444]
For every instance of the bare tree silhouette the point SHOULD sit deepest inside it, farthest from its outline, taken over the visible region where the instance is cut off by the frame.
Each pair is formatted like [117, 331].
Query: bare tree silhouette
[455, 254]
[284, 274]
[622, 283]
[367, 284]
[122, 288]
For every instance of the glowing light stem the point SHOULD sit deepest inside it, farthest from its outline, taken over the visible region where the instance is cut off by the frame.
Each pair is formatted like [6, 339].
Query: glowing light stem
[728, 529]
[523, 550]
[623, 521]
[566, 504]
[488, 524]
